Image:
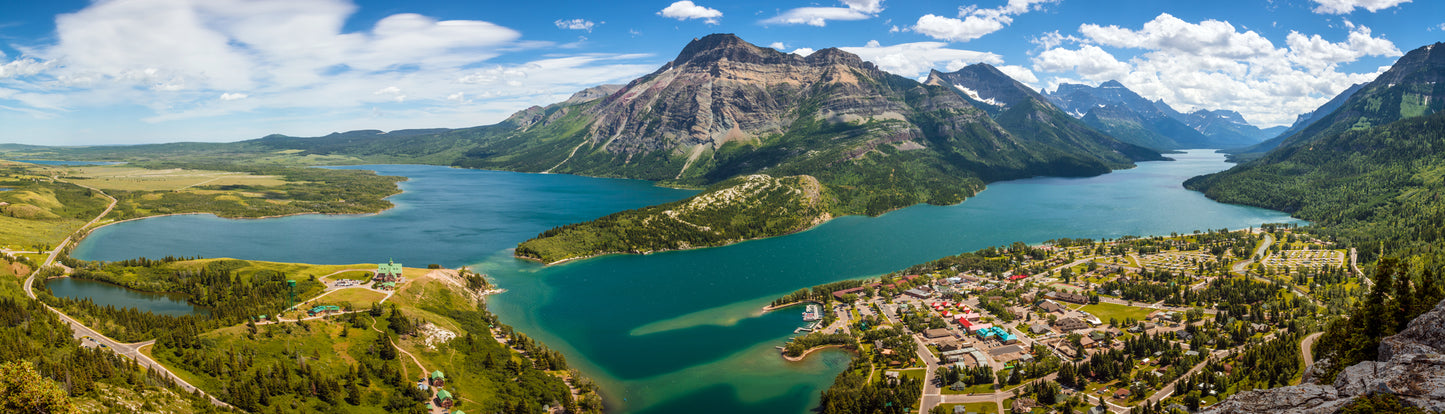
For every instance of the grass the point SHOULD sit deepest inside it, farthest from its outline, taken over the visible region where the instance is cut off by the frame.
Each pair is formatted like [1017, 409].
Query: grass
[297, 270]
[25, 234]
[318, 345]
[359, 298]
[983, 407]
[140, 179]
[972, 389]
[916, 373]
[1107, 311]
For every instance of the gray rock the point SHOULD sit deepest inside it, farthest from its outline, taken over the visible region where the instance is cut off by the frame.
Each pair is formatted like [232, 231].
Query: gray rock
[1411, 366]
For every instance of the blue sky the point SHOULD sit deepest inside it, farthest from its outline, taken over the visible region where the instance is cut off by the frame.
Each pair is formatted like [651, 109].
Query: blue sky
[138, 71]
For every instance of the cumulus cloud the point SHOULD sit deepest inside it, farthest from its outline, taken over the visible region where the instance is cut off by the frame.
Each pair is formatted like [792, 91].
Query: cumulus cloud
[778, 45]
[916, 59]
[685, 10]
[973, 22]
[1213, 64]
[190, 59]
[1019, 73]
[1050, 40]
[1089, 61]
[819, 16]
[803, 51]
[575, 24]
[22, 67]
[1347, 6]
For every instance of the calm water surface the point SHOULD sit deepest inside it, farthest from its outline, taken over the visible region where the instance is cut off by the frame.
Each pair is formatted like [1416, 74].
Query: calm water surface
[679, 331]
[121, 297]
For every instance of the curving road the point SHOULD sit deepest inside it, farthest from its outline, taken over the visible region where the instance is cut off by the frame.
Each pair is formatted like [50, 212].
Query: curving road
[92, 338]
[1307, 350]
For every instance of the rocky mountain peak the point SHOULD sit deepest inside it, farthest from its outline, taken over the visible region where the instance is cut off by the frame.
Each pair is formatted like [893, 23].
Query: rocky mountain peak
[984, 83]
[1422, 65]
[835, 56]
[1111, 84]
[719, 46]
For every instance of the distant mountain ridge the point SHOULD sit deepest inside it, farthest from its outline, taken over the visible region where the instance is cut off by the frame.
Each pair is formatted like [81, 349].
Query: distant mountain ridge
[1304, 120]
[1018, 108]
[1115, 109]
[725, 108]
[1382, 143]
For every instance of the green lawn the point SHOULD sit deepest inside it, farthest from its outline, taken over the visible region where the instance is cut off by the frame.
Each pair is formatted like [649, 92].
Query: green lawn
[916, 373]
[1106, 311]
[983, 407]
[972, 389]
[359, 298]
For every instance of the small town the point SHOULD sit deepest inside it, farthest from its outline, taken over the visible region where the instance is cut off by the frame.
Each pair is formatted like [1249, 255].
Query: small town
[1128, 325]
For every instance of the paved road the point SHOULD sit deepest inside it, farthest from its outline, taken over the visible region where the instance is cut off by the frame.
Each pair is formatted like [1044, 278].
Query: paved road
[1307, 349]
[79, 330]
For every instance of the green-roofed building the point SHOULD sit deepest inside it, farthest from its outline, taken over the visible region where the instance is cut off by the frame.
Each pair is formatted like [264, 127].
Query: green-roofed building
[438, 379]
[444, 399]
[389, 271]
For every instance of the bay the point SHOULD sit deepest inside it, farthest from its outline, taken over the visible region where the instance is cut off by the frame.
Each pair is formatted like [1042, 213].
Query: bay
[680, 331]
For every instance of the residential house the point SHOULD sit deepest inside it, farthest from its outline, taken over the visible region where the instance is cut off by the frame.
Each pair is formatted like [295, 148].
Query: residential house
[1070, 324]
[444, 399]
[937, 333]
[916, 293]
[1039, 328]
[1053, 307]
[1068, 297]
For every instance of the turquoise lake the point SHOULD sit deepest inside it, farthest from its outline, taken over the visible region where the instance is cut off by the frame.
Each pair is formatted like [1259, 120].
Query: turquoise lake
[679, 331]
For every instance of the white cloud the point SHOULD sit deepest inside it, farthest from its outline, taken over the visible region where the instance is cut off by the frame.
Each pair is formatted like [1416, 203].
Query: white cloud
[1089, 61]
[973, 22]
[819, 16]
[1347, 6]
[915, 59]
[1169, 33]
[1019, 73]
[575, 24]
[957, 30]
[684, 10]
[1050, 40]
[1213, 64]
[22, 67]
[803, 51]
[778, 45]
[1317, 54]
[866, 6]
[183, 60]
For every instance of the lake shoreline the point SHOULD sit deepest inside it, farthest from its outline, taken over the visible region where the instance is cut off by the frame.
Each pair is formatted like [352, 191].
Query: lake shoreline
[810, 351]
[548, 305]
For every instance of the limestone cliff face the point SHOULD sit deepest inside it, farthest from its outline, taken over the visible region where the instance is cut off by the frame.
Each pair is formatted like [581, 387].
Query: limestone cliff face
[1411, 366]
[721, 88]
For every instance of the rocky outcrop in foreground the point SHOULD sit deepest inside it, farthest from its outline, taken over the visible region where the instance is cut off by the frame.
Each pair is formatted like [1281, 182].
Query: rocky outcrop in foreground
[1411, 366]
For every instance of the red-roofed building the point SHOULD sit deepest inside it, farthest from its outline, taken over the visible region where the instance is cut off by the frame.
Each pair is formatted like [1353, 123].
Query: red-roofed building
[1018, 277]
[840, 293]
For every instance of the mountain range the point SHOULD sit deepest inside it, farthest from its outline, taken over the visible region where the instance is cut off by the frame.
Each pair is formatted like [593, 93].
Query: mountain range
[725, 108]
[1115, 109]
[1377, 154]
